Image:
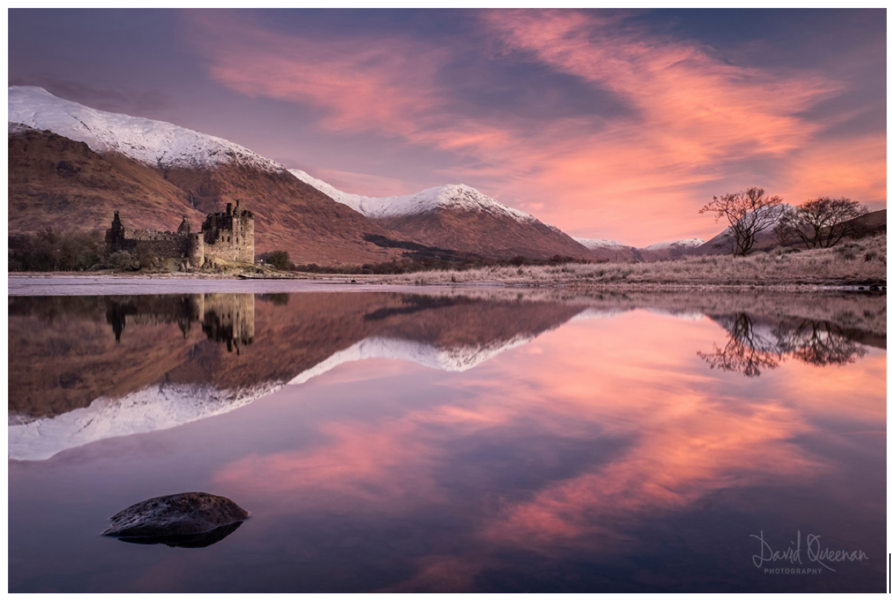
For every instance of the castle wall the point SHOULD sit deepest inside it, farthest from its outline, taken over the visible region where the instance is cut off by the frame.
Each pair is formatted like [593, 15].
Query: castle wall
[196, 250]
[225, 236]
[229, 236]
[246, 247]
[160, 244]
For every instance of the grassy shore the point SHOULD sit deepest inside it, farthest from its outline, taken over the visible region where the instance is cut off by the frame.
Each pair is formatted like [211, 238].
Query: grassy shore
[854, 263]
[860, 263]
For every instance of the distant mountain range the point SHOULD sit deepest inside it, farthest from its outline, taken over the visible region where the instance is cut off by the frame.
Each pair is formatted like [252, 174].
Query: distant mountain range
[658, 251]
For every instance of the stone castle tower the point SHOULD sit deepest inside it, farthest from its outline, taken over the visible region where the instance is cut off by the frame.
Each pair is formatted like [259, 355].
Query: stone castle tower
[225, 236]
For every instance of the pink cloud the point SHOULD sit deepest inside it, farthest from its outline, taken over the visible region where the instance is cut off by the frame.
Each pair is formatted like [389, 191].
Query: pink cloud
[697, 121]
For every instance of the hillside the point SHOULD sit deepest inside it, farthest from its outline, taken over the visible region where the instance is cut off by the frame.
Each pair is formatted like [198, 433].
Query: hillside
[459, 218]
[72, 167]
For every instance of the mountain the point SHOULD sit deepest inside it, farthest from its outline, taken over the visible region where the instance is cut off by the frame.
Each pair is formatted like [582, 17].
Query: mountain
[872, 223]
[71, 166]
[670, 250]
[122, 365]
[610, 250]
[459, 218]
[617, 251]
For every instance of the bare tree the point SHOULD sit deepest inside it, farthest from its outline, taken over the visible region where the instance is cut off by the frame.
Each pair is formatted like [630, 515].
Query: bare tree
[748, 213]
[820, 223]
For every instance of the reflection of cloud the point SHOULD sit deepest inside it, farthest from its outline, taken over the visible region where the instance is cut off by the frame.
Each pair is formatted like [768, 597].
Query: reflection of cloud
[689, 438]
[686, 452]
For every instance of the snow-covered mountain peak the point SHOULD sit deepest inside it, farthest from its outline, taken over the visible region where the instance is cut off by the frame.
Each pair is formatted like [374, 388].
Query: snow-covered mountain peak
[154, 143]
[452, 196]
[685, 243]
[593, 244]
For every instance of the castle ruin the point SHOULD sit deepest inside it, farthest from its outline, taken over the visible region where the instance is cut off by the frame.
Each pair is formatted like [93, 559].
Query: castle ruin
[225, 236]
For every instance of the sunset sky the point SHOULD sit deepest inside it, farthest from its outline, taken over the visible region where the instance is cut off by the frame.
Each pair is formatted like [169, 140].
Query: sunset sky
[608, 124]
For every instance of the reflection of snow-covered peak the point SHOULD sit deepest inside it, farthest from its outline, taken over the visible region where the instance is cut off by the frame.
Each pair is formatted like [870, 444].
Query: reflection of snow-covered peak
[166, 406]
[452, 196]
[150, 409]
[598, 313]
[445, 359]
[154, 143]
[686, 315]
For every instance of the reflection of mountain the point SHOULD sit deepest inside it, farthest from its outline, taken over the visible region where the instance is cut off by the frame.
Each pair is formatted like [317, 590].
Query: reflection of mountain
[757, 344]
[71, 382]
[163, 373]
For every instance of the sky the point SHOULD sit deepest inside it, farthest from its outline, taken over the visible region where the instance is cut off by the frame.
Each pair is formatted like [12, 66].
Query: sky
[609, 124]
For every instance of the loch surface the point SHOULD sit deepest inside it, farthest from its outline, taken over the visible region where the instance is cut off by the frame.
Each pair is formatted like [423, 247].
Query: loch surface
[457, 440]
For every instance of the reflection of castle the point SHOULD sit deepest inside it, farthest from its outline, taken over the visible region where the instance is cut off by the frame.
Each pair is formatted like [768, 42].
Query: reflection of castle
[225, 318]
[228, 318]
[226, 236]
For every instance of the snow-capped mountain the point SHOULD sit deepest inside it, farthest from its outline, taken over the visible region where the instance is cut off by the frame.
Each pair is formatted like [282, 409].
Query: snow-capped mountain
[460, 218]
[72, 166]
[453, 196]
[593, 244]
[686, 243]
[610, 250]
[153, 143]
[613, 250]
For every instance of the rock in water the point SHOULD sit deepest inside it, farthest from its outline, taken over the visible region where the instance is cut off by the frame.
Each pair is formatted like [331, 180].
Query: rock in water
[177, 515]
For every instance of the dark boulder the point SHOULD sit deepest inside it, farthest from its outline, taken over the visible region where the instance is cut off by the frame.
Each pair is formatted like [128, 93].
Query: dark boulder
[192, 514]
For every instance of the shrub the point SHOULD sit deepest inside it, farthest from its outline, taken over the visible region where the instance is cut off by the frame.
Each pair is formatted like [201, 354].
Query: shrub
[123, 261]
[280, 260]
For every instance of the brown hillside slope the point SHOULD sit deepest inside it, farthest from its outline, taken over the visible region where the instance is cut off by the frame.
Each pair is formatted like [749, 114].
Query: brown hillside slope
[57, 182]
[487, 234]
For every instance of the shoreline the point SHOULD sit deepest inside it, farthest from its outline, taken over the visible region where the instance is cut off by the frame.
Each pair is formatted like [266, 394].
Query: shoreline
[79, 283]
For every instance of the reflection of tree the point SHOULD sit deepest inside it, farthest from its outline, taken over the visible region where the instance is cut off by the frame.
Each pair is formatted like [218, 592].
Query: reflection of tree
[819, 343]
[814, 342]
[746, 352]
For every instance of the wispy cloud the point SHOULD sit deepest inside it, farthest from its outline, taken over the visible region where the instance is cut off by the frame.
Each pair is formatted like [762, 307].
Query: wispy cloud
[696, 124]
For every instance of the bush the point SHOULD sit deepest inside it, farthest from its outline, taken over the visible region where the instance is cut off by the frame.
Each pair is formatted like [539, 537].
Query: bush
[123, 261]
[48, 251]
[280, 260]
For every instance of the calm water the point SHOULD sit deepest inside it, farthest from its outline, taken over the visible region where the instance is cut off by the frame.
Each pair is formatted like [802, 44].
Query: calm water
[391, 442]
